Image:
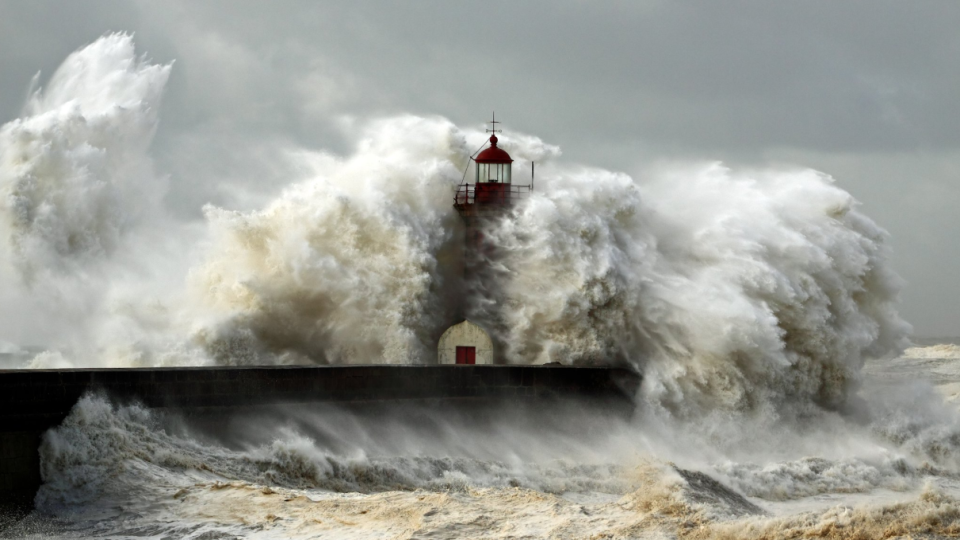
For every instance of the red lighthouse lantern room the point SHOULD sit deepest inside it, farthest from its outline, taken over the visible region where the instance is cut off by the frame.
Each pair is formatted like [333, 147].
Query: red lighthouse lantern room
[492, 189]
[493, 166]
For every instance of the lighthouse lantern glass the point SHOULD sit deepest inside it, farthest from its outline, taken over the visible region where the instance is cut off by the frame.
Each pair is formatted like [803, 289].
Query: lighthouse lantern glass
[493, 172]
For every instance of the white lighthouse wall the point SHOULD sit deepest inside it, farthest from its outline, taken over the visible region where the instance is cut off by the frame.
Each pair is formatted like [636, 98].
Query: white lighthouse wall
[465, 334]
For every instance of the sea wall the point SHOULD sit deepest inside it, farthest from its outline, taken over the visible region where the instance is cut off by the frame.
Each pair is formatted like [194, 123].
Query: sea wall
[32, 401]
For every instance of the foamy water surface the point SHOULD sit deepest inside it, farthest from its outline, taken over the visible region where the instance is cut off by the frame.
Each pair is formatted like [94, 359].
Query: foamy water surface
[323, 472]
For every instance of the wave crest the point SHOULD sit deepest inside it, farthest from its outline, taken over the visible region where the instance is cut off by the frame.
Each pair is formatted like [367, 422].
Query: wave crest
[75, 173]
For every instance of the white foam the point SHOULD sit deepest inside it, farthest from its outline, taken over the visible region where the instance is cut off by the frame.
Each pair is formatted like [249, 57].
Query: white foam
[344, 266]
[731, 290]
[941, 350]
[118, 470]
[75, 172]
[728, 289]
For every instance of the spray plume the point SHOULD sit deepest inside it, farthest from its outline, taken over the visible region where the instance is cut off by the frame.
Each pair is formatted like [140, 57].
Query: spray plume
[730, 290]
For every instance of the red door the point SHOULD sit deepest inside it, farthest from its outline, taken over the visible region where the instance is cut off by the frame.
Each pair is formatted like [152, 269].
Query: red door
[466, 355]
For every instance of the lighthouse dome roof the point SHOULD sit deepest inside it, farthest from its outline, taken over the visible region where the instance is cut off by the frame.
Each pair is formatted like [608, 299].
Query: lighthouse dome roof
[493, 154]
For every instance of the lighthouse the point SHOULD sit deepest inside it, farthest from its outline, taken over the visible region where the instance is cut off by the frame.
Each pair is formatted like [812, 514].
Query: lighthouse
[489, 197]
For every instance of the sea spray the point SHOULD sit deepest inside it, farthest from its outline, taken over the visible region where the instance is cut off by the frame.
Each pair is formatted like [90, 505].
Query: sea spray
[308, 471]
[75, 172]
[727, 290]
[345, 266]
[106, 449]
[83, 235]
[731, 290]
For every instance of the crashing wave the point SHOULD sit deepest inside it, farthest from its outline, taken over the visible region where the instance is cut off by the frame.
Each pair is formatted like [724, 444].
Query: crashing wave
[730, 290]
[75, 172]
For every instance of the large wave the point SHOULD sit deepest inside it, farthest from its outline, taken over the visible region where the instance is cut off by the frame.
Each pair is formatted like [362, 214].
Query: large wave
[730, 290]
[75, 172]
[81, 221]
[351, 265]
[314, 471]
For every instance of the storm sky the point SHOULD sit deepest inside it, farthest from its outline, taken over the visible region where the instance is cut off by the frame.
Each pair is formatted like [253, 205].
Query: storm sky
[864, 91]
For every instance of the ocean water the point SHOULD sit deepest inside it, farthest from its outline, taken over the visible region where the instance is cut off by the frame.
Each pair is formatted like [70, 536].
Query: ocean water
[782, 397]
[321, 472]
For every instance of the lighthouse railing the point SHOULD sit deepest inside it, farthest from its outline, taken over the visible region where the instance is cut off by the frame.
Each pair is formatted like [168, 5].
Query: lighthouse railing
[490, 194]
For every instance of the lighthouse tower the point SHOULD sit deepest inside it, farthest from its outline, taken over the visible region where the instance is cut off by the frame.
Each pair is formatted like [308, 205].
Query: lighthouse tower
[488, 198]
[492, 192]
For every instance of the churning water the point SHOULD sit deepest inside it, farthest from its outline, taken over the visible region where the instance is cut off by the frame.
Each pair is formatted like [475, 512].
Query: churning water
[759, 305]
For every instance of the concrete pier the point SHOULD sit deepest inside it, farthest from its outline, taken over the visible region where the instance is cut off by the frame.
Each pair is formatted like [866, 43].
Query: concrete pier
[32, 401]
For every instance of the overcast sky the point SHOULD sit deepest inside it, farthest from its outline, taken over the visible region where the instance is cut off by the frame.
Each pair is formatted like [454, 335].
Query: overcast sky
[865, 91]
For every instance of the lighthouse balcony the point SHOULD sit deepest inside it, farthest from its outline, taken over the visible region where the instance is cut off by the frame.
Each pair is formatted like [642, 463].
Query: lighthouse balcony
[488, 197]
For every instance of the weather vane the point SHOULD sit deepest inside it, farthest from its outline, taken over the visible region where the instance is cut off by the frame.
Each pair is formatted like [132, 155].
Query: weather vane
[493, 124]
